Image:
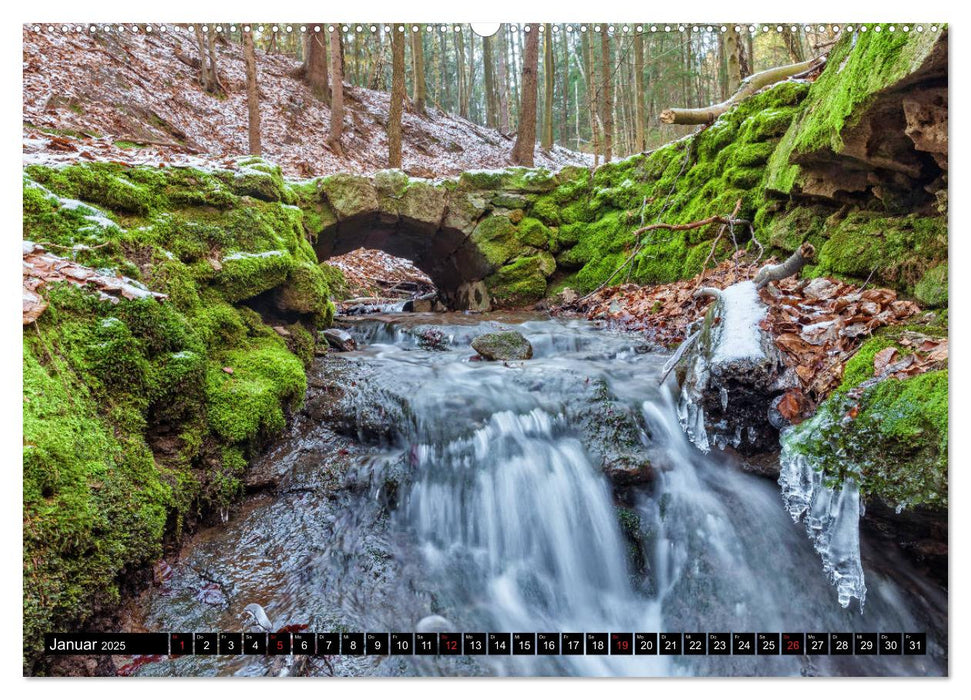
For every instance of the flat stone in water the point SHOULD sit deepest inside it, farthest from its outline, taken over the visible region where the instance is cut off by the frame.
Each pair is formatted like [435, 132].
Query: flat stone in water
[506, 345]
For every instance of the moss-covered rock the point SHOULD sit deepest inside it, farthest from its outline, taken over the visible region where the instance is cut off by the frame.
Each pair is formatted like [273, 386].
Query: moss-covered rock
[522, 281]
[350, 195]
[305, 291]
[495, 237]
[892, 439]
[133, 425]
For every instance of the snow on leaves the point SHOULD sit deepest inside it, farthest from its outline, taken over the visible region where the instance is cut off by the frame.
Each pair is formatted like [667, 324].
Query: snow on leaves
[818, 324]
[42, 268]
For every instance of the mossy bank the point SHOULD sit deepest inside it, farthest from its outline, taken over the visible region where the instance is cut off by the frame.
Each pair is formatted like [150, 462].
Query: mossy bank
[140, 415]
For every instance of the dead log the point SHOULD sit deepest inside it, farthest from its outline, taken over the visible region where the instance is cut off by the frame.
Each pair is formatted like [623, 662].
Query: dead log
[749, 86]
[731, 373]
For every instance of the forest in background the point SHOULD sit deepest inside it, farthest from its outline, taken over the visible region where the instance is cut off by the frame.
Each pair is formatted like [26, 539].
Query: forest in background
[601, 86]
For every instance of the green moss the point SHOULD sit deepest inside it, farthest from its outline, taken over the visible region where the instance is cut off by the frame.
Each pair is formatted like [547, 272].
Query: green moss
[495, 237]
[520, 282]
[860, 366]
[858, 69]
[932, 288]
[250, 402]
[895, 446]
[899, 251]
[533, 232]
[305, 290]
[247, 274]
[257, 178]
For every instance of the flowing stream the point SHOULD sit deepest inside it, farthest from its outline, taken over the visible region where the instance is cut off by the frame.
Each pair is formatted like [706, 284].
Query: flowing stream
[474, 491]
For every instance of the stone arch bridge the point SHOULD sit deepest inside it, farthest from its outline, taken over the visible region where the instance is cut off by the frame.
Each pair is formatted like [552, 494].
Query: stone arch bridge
[470, 235]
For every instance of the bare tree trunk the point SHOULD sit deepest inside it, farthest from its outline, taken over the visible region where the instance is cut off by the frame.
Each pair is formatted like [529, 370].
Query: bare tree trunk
[418, 61]
[204, 78]
[337, 93]
[793, 46]
[592, 101]
[490, 83]
[522, 152]
[442, 63]
[734, 53]
[748, 56]
[397, 95]
[503, 83]
[549, 71]
[722, 68]
[608, 93]
[565, 87]
[640, 139]
[213, 67]
[317, 77]
[252, 94]
[460, 70]
[374, 81]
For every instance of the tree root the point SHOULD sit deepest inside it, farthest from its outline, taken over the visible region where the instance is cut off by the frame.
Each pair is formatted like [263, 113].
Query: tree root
[791, 266]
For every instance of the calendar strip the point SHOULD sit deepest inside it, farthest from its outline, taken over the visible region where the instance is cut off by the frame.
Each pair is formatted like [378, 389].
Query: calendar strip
[489, 643]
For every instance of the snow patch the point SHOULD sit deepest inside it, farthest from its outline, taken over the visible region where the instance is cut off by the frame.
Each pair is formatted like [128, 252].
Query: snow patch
[742, 311]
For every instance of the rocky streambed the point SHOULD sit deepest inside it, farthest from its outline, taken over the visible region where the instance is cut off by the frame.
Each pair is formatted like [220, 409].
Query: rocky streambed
[557, 493]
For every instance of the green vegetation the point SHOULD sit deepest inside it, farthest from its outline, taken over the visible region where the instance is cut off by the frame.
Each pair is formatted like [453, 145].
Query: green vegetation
[891, 435]
[140, 415]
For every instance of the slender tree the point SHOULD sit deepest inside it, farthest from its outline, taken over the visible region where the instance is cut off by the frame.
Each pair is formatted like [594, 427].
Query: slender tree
[252, 93]
[522, 152]
[488, 63]
[793, 45]
[549, 73]
[418, 61]
[460, 63]
[316, 62]
[592, 100]
[397, 95]
[640, 140]
[503, 96]
[608, 93]
[734, 51]
[337, 93]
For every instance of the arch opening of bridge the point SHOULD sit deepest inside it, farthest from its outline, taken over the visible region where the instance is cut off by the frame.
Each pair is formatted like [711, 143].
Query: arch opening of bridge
[453, 263]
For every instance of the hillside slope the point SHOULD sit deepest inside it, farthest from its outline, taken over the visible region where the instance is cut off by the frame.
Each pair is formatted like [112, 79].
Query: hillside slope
[96, 95]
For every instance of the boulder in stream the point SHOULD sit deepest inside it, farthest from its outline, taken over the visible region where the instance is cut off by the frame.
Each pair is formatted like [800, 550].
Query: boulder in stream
[505, 345]
[340, 339]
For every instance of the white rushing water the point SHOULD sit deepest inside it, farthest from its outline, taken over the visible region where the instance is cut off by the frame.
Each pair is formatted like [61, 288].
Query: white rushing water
[503, 521]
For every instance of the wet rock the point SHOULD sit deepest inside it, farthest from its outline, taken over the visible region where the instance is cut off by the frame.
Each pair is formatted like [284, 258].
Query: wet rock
[566, 297]
[506, 345]
[430, 338]
[340, 339]
[629, 469]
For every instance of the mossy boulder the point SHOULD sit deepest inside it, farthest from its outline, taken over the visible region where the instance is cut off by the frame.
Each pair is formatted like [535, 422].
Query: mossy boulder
[505, 345]
[892, 439]
[305, 291]
[350, 195]
[521, 282]
[495, 237]
[244, 275]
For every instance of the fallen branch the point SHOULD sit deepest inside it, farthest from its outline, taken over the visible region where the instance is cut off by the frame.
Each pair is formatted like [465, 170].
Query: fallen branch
[749, 86]
[707, 292]
[792, 265]
[726, 220]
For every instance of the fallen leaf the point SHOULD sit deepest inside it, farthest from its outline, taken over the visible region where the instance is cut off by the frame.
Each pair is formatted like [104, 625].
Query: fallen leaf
[882, 359]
